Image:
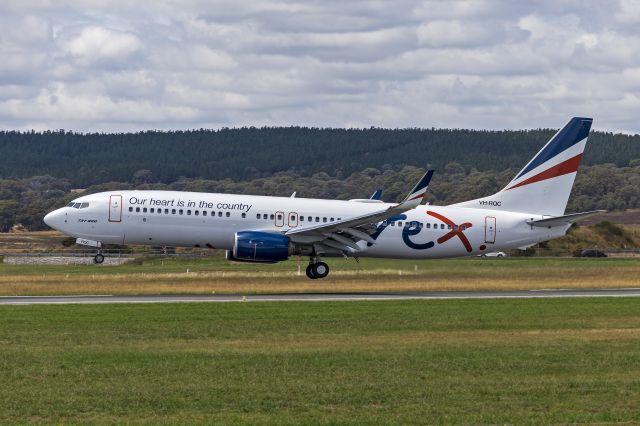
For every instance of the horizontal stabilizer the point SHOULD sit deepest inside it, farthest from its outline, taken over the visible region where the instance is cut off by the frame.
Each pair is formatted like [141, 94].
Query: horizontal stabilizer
[563, 220]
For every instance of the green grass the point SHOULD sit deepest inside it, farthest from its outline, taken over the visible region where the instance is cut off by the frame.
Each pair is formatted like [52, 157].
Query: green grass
[453, 361]
[465, 265]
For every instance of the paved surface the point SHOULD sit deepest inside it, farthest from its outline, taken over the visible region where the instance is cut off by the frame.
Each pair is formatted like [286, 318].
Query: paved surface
[316, 297]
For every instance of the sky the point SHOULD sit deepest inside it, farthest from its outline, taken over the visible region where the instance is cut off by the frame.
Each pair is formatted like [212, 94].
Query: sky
[122, 65]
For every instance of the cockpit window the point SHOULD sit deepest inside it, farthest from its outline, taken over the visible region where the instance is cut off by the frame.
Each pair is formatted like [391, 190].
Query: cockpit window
[84, 205]
[70, 204]
[77, 205]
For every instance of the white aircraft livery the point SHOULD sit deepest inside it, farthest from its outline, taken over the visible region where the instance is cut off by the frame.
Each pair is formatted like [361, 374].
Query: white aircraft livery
[530, 209]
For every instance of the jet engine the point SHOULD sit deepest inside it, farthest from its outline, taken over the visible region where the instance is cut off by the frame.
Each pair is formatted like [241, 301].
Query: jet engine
[256, 246]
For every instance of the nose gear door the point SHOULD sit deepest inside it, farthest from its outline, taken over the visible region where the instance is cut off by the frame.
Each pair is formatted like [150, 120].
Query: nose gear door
[115, 208]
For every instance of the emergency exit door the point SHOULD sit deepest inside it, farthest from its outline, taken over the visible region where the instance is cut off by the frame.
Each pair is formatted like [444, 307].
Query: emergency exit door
[490, 229]
[115, 208]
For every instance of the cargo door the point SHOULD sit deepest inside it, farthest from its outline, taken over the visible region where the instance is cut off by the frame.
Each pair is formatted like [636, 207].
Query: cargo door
[490, 229]
[115, 208]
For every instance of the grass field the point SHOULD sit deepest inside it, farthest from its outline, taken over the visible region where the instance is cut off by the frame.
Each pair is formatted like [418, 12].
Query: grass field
[214, 274]
[401, 362]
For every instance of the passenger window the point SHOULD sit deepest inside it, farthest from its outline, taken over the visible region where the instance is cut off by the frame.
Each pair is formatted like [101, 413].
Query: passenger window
[428, 225]
[462, 227]
[310, 219]
[331, 220]
[272, 216]
[258, 216]
[244, 215]
[324, 219]
[197, 213]
[301, 218]
[219, 214]
[144, 210]
[339, 219]
[279, 217]
[392, 224]
[173, 211]
[152, 210]
[442, 226]
[180, 211]
[188, 212]
[400, 224]
[130, 209]
[448, 226]
[228, 214]
[204, 213]
[137, 209]
[213, 214]
[166, 211]
[264, 216]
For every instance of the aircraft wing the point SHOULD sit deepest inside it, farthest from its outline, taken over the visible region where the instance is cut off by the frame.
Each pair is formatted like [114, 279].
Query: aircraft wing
[342, 235]
[563, 220]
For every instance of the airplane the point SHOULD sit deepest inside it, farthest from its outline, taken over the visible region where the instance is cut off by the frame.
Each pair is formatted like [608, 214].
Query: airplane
[530, 209]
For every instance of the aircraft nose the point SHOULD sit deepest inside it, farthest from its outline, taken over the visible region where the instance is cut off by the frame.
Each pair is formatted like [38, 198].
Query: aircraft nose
[55, 219]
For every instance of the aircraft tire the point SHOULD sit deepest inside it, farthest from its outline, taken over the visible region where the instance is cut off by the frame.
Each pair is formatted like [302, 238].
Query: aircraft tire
[99, 258]
[309, 272]
[320, 270]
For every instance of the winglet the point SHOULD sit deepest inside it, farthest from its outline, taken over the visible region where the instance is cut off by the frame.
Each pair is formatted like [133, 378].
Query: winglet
[418, 192]
[376, 195]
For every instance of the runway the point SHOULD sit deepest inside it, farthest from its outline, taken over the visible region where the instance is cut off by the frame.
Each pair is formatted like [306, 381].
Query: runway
[315, 297]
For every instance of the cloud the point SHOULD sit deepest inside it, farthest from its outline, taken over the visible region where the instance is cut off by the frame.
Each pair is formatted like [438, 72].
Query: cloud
[94, 44]
[116, 65]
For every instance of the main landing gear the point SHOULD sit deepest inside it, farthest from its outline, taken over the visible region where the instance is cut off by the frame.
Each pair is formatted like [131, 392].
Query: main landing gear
[317, 269]
[98, 258]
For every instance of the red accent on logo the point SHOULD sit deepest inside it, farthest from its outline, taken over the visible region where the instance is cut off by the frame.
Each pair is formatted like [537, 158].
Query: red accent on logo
[566, 167]
[455, 230]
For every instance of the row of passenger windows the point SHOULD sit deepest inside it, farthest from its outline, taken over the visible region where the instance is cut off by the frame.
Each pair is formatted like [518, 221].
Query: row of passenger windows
[263, 216]
[420, 225]
[181, 212]
[78, 205]
[301, 218]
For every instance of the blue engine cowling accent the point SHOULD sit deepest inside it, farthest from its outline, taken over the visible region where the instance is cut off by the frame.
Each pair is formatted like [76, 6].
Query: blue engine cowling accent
[255, 246]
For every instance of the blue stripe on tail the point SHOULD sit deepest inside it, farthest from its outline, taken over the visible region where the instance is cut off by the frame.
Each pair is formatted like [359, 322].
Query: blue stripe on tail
[576, 130]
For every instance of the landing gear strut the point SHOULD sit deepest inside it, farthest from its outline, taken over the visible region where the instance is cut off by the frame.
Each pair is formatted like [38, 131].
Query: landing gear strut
[98, 258]
[317, 269]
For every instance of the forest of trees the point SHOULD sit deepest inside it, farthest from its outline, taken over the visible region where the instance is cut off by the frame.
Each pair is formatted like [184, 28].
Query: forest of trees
[26, 201]
[246, 154]
[39, 171]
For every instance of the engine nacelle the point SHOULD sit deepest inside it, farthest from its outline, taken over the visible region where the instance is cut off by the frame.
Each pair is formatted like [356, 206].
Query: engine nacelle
[256, 246]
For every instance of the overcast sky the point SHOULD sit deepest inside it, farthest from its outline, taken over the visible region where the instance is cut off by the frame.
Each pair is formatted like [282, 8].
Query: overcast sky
[112, 65]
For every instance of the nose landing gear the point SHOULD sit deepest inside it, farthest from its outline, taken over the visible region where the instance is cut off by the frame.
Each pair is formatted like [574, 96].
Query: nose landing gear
[317, 269]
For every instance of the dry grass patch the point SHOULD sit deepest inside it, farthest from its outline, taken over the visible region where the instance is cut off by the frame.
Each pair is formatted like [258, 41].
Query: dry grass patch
[207, 278]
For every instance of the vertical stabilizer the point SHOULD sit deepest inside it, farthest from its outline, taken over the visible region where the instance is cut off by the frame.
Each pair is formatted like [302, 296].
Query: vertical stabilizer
[543, 186]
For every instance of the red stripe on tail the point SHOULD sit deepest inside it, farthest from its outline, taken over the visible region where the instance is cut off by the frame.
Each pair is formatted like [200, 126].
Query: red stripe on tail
[566, 167]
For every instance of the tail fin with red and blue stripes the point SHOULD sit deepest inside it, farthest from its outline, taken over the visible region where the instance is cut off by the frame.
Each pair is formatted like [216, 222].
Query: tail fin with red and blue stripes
[544, 184]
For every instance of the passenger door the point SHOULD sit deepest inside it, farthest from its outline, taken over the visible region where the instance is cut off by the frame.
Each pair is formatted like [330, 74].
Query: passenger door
[490, 229]
[115, 208]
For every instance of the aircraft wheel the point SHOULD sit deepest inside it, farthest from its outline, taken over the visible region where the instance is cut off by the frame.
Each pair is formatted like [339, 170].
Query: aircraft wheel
[99, 258]
[320, 270]
[309, 272]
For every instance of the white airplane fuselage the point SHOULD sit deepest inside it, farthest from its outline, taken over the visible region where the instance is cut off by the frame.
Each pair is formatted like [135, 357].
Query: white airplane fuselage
[188, 219]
